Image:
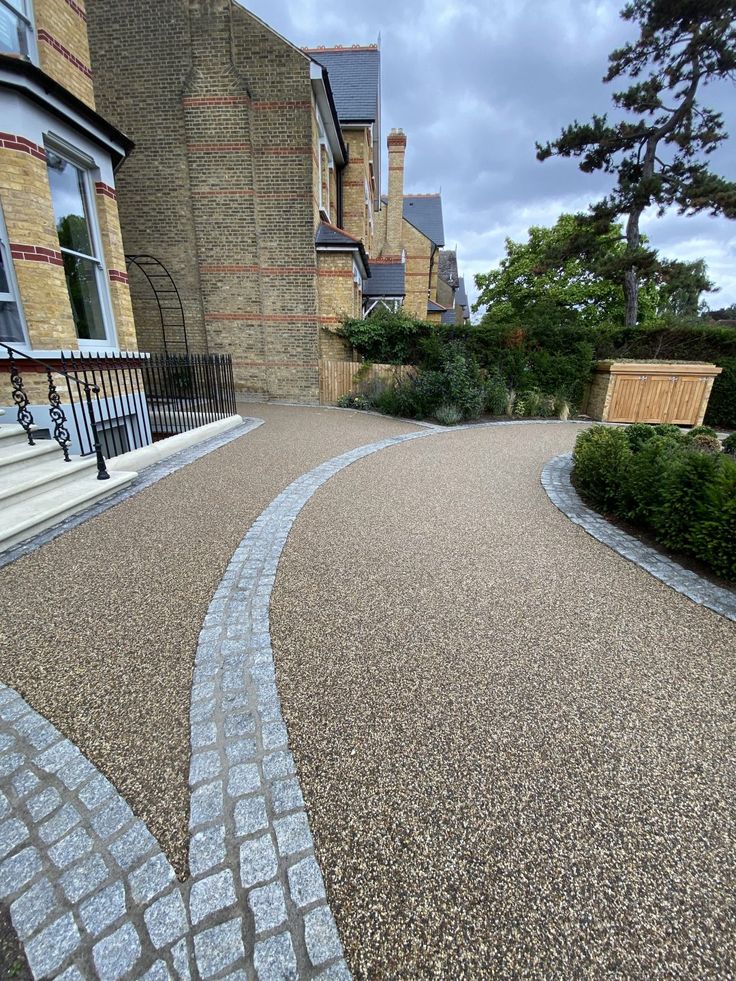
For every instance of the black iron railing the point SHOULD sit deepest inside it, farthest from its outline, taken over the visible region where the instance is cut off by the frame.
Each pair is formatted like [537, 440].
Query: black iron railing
[113, 403]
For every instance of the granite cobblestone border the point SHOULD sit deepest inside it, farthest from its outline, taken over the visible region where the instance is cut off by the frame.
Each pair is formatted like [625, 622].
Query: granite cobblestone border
[556, 482]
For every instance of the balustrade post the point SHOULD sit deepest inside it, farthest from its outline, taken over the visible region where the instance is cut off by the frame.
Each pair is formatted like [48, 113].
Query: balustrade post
[102, 473]
[61, 433]
[25, 419]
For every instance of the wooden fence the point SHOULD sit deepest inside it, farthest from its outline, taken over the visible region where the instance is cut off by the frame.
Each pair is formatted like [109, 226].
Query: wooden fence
[337, 378]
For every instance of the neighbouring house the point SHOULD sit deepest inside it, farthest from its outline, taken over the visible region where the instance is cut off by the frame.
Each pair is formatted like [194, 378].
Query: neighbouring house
[63, 282]
[236, 183]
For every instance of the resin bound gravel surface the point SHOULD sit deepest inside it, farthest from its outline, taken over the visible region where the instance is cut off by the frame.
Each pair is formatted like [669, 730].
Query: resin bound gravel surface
[99, 628]
[516, 748]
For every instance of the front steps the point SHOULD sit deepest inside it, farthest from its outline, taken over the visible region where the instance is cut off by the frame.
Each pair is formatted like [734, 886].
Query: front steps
[38, 489]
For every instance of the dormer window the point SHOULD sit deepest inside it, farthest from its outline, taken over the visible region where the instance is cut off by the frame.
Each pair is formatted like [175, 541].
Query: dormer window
[16, 28]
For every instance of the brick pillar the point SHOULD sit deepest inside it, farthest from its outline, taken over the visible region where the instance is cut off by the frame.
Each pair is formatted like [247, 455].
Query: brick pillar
[396, 152]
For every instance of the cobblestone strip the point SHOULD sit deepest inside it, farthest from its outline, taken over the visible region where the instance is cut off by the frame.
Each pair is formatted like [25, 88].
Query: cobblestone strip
[556, 481]
[254, 874]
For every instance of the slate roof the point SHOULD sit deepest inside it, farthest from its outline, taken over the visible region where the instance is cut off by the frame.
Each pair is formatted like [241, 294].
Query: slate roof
[433, 307]
[448, 317]
[461, 298]
[424, 212]
[355, 75]
[330, 237]
[387, 279]
[448, 267]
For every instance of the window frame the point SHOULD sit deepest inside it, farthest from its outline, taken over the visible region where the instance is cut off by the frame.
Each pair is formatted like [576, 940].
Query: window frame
[26, 17]
[90, 172]
[13, 294]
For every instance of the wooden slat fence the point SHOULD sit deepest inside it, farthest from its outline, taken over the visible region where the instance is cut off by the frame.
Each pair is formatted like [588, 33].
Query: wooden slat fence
[337, 378]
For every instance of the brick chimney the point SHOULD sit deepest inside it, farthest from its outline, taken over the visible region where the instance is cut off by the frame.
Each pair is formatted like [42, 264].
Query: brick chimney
[396, 152]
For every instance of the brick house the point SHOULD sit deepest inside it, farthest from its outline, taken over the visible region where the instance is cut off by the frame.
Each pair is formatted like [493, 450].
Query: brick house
[63, 283]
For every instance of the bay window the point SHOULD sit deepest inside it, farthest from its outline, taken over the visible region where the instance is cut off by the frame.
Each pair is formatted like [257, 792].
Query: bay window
[11, 324]
[79, 243]
[16, 28]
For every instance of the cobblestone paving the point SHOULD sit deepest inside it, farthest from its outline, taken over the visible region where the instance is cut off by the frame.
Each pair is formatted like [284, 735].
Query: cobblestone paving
[556, 481]
[90, 892]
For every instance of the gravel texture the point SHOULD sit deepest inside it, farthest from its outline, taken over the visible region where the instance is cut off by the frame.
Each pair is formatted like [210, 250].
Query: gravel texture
[516, 748]
[98, 628]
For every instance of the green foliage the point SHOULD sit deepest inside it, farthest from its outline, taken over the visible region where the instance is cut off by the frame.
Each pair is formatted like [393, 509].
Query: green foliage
[661, 481]
[387, 337]
[722, 404]
[670, 431]
[638, 434]
[700, 431]
[643, 495]
[448, 415]
[354, 402]
[601, 460]
[496, 394]
[729, 445]
[686, 499]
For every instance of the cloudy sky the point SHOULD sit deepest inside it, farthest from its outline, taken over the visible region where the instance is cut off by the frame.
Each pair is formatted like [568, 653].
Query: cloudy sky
[474, 83]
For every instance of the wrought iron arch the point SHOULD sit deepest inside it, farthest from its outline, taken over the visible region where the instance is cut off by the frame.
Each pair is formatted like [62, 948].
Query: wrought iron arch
[170, 307]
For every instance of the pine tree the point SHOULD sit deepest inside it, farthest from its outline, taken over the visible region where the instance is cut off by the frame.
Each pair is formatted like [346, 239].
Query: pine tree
[658, 151]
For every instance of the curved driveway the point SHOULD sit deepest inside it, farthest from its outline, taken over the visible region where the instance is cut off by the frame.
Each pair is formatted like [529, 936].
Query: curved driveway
[516, 748]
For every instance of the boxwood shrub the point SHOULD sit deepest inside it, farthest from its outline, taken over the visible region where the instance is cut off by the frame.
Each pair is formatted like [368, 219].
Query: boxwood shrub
[667, 484]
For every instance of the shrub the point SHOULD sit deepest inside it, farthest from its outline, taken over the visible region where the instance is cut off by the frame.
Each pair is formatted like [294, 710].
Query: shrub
[703, 443]
[354, 402]
[602, 457]
[496, 394]
[650, 465]
[685, 497]
[638, 434]
[448, 415]
[387, 337]
[462, 383]
[729, 444]
[667, 429]
[686, 500]
[701, 431]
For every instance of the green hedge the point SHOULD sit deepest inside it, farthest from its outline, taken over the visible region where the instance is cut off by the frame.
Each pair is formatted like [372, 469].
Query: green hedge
[674, 486]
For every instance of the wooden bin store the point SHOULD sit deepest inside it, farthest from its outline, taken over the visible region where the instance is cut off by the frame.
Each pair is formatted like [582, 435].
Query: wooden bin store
[662, 391]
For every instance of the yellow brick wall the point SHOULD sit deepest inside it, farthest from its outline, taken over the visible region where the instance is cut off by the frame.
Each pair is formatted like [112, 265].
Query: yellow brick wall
[63, 45]
[355, 220]
[112, 247]
[418, 251]
[26, 202]
[338, 297]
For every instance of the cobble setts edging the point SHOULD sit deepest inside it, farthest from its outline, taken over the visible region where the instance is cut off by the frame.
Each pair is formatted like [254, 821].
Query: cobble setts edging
[556, 481]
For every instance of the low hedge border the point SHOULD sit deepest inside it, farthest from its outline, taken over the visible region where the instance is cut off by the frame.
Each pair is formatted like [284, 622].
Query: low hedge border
[556, 480]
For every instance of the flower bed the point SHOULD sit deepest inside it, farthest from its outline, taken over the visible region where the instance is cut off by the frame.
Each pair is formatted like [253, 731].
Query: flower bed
[680, 487]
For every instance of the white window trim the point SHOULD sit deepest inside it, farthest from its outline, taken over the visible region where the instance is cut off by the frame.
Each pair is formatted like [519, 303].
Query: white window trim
[392, 303]
[29, 19]
[90, 171]
[13, 296]
[324, 206]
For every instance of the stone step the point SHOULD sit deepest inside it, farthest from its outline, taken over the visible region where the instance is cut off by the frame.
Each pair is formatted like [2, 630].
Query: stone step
[27, 517]
[12, 433]
[28, 479]
[15, 455]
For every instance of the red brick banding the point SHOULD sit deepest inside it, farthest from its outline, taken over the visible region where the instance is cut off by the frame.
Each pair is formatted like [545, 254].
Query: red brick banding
[10, 142]
[117, 276]
[200, 102]
[336, 273]
[49, 39]
[77, 9]
[105, 189]
[36, 253]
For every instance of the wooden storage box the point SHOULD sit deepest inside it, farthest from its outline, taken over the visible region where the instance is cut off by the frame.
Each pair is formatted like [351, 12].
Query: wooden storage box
[654, 391]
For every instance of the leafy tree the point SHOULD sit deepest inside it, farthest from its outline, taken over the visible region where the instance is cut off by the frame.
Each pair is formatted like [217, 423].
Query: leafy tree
[657, 150]
[567, 271]
[681, 285]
